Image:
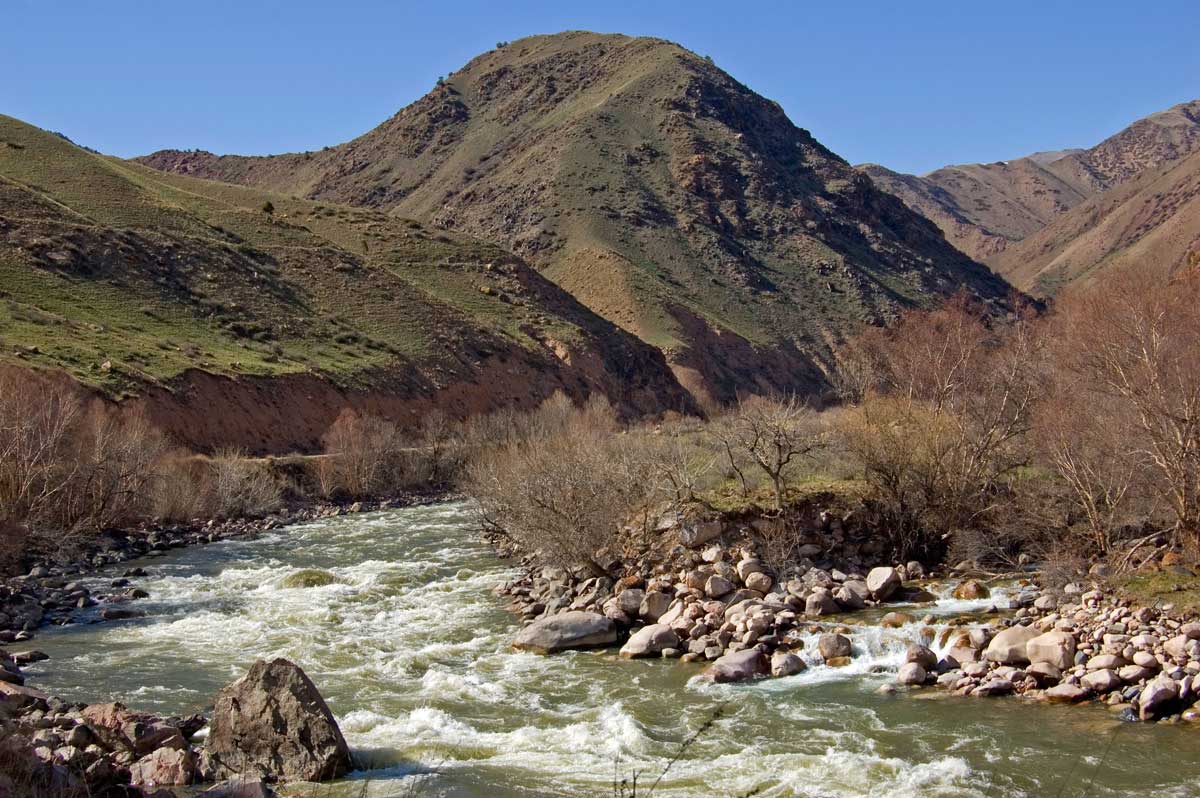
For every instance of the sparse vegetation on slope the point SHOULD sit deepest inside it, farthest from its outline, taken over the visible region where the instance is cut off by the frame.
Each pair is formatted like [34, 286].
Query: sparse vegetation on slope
[127, 278]
[662, 193]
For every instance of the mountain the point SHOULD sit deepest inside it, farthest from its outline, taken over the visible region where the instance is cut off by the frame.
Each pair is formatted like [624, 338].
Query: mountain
[242, 318]
[1151, 223]
[984, 208]
[660, 192]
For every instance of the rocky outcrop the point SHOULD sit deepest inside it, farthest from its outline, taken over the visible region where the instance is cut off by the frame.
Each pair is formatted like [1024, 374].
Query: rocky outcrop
[274, 724]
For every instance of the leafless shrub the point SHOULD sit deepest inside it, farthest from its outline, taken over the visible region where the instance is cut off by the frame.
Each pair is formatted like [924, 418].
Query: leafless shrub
[1129, 351]
[775, 435]
[365, 457]
[241, 487]
[561, 482]
[38, 423]
[944, 427]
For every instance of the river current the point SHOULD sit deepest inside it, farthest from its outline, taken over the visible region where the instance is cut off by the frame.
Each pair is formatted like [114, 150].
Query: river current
[411, 648]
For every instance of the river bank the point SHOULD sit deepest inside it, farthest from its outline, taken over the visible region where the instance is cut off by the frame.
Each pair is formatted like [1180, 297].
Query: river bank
[395, 616]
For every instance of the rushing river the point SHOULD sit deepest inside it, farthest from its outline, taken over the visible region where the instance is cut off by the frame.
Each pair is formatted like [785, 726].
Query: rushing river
[410, 647]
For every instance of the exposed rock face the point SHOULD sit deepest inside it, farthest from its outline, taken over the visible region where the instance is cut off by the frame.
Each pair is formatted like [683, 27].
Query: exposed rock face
[273, 723]
[567, 630]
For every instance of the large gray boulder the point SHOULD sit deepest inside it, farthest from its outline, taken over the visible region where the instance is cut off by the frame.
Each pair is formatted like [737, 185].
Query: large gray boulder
[650, 641]
[273, 724]
[1156, 696]
[739, 666]
[567, 630]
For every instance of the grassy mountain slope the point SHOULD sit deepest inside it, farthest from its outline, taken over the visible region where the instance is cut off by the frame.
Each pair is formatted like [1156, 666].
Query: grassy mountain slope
[654, 187]
[134, 281]
[1151, 223]
[983, 208]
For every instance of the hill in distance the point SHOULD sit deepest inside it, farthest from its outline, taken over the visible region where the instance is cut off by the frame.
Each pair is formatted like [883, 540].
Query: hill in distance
[984, 209]
[238, 317]
[656, 189]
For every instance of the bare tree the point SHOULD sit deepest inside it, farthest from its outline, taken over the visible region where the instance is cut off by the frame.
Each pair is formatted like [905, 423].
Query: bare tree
[776, 435]
[1136, 343]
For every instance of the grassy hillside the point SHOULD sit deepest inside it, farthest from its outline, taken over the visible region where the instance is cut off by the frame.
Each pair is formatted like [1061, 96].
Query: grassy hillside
[127, 277]
[665, 195]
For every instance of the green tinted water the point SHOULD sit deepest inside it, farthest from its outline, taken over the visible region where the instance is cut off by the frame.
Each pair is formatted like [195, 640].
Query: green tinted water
[393, 616]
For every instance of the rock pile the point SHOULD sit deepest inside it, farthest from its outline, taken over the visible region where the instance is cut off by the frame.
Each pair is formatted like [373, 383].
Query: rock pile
[1078, 646]
[271, 725]
[707, 602]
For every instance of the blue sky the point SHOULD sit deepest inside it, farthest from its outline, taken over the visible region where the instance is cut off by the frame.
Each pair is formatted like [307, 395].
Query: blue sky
[909, 84]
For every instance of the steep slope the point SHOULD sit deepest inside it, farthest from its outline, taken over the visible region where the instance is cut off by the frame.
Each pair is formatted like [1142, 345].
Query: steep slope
[242, 318]
[1151, 223]
[983, 208]
[655, 188]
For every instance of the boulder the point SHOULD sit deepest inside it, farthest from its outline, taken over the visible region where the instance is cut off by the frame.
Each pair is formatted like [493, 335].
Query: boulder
[849, 599]
[1101, 681]
[15, 697]
[1066, 693]
[759, 581]
[567, 630]
[994, 687]
[699, 533]
[1056, 648]
[239, 788]
[654, 606]
[717, 586]
[738, 666]
[1008, 647]
[833, 646]
[166, 767]
[820, 602]
[785, 663]
[894, 620]
[1044, 673]
[630, 601]
[274, 724]
[121, 729]
[650, 641]
[921, 655]
[911, 673]
[883, 582]
[1157, 696]
[1102, 662]
[970, 590]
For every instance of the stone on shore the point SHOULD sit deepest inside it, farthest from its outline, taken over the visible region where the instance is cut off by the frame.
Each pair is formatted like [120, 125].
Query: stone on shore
[738, 666]
[166, 767]
[650, 641]
[274, 724]
[565, 631]
[883, 582]
[971, 589]
[1056, 648]
[1101, 681]
[1008, 647]
[1157, 696]
[1066, 693]
[912, 674]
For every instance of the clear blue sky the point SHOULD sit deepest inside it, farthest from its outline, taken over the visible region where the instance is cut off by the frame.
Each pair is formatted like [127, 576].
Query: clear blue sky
[909, 84]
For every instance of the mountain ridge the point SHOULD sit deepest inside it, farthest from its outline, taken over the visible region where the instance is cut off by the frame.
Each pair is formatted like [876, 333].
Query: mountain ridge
[661, 192]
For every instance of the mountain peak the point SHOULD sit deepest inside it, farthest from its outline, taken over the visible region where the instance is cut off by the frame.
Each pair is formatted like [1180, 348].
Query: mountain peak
[663, 193]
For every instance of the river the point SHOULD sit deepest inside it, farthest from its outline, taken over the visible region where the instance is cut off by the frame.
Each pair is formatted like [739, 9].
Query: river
[410, 647]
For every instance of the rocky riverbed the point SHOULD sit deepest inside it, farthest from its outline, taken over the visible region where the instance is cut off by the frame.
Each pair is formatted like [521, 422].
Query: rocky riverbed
[712, 598]
[395, 616]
